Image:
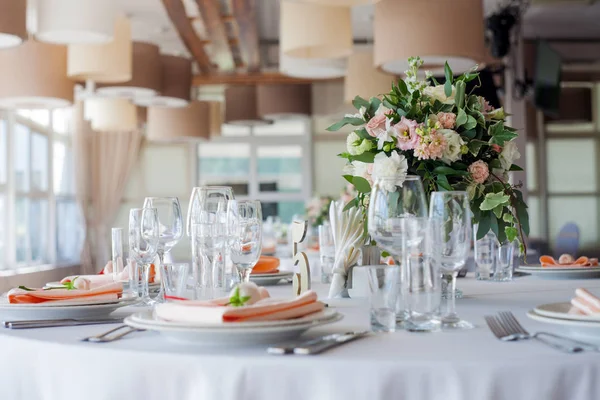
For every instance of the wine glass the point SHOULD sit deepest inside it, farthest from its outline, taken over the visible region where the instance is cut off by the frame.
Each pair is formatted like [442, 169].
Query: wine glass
[170, 227]
[143, 243]
[450, 216]
[390, 205]
[245, 218]
[199, 195]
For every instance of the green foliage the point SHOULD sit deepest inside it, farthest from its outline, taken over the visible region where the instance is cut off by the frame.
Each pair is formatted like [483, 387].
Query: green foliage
[236, 301]
[493, 200]
[346, 121]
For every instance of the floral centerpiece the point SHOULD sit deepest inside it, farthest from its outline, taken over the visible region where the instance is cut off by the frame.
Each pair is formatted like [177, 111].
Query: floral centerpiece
[317, 210]
[452, 139]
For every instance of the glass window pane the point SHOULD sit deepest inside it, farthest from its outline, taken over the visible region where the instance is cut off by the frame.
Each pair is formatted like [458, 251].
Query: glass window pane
[571, 166]
[3, 153]
[235, 130]
[39, 162]
[41, 117]
[583, 211]
[21, 157]
[38, 229]
[280, 169]
[69, 232]
[284, 209]
[63, 179]
[531, 167]
[61, 120]
[535, 221]
[21, 229]
[225, 164]
[2, 230]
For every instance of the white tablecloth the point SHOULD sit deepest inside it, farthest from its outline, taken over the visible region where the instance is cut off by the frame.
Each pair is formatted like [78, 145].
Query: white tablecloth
[53, 364]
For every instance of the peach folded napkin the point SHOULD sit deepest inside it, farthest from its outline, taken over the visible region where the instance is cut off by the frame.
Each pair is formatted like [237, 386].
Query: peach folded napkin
[266, 265]
[567, 261]
[217, 311]
[111, 291]
[585, 303]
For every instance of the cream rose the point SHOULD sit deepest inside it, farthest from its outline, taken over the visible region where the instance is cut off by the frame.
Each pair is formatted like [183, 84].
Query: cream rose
[438, 93]
[510, 153]
[394, 166]
[452, 152]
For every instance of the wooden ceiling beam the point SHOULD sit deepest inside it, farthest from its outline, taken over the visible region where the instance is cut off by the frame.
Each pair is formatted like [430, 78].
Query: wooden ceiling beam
[176, 11]
[264, 78]
[244, 12]
[210, 11]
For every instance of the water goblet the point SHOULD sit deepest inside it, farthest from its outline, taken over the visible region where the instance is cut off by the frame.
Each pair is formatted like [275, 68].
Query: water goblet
[246, 220]
[143, 243]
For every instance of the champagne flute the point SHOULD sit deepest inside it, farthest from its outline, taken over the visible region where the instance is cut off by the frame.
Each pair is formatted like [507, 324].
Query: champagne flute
[450, 216]
[143, 243]
[170, 227]
[246, 221]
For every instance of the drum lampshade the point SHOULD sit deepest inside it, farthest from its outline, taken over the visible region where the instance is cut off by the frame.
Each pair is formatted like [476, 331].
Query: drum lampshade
[13, 29]
[179, 124]
[176, 81]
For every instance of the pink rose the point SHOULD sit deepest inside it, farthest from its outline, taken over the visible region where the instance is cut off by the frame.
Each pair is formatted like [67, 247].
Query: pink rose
[376, 126]
[406, 133]
[479, 171]
[447, 120]
[496, 148]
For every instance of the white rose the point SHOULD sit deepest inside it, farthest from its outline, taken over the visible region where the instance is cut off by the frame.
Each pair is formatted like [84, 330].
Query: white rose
[510, 153]
[452, 152]
[352, 143]
[438, 93]
[394, 166]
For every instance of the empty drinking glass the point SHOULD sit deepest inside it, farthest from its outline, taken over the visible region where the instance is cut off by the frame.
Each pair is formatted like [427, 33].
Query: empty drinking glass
[504, 262]
[143, 243]
[326, 252]
[117, 253]
[246, 220]
[383, 290]
[451, 242]
[485, 251]
[422, 281]
[174, 278]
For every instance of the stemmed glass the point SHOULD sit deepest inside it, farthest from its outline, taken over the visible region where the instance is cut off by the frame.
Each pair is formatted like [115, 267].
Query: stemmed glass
[170, 227]
[245, 219]
[143, 243]
[391, 204]
[450, 216]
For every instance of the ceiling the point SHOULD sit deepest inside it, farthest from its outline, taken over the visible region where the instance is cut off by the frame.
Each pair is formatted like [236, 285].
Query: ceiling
[151, 23]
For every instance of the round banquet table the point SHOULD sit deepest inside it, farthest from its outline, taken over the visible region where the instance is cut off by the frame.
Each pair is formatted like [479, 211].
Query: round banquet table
[53, 363]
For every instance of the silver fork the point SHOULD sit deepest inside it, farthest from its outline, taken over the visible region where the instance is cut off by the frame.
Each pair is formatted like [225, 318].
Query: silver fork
[507, 328]
[103, 337]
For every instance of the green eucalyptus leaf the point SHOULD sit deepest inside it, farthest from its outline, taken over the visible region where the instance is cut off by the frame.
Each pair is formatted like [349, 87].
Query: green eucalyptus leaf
[442, 183]
[366, 157]
[448, 74]
[448, 88]
[348, 178]
[459, 98]
[373, 106]
[346, 121]
[359, 102]
[515, 167]
[351, 204]
[363, 134]
[402, 87]
[361, 184]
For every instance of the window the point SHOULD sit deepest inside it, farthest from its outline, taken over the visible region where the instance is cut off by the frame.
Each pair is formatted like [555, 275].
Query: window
[39, 218]
[270, 163]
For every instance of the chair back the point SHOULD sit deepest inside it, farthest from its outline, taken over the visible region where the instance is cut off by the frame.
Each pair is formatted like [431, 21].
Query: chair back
[567, 241]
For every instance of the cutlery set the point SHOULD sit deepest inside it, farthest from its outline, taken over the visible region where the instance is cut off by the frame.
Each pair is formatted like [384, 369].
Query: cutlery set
[317, 345]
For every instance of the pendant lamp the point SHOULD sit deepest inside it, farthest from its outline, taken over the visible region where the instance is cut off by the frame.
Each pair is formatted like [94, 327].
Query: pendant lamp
[216, 118]
[176, 82]
[312, 68]
[103, 63]
[34, 75]
[241, 106]
[283, 101]
[340, 3]
[146, 74]
[13, 29]
[315, 31]
[75, 21]
[363, 79]
[179, 124]
[450, 31]
[110, 114]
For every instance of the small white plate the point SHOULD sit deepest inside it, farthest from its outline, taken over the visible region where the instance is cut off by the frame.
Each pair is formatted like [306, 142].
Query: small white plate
[560, 273]
[233, 333]
[588, 329]
[270, 279]
[48, 310]
[561, 310]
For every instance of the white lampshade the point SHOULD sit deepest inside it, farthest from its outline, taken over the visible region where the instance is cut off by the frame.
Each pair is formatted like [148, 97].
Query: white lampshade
[315, 31]
[110, 114]
[340, 3]
[13, 28]
[34, 75]
[179, 124]
[104, 63]
[312, 68]
[363, 79]
[450, 31]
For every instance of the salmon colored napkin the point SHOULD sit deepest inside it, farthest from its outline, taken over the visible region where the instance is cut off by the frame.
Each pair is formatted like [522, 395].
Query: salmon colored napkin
[217, 311]
[585, 303]
[566, 261]
[111, 291]
[266, 265]
[105, 276]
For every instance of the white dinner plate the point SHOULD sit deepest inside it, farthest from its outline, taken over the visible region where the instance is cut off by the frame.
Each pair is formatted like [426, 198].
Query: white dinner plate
[588, 329]
[270, 279]
[232, 333]
[55, 310]
[560, 273]
[561, 310]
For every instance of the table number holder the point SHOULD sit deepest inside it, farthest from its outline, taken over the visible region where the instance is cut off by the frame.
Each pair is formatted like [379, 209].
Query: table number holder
[301, 279]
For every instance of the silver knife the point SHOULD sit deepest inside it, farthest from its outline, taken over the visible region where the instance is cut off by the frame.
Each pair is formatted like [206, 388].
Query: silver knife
[59, 323]
[317, 345]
